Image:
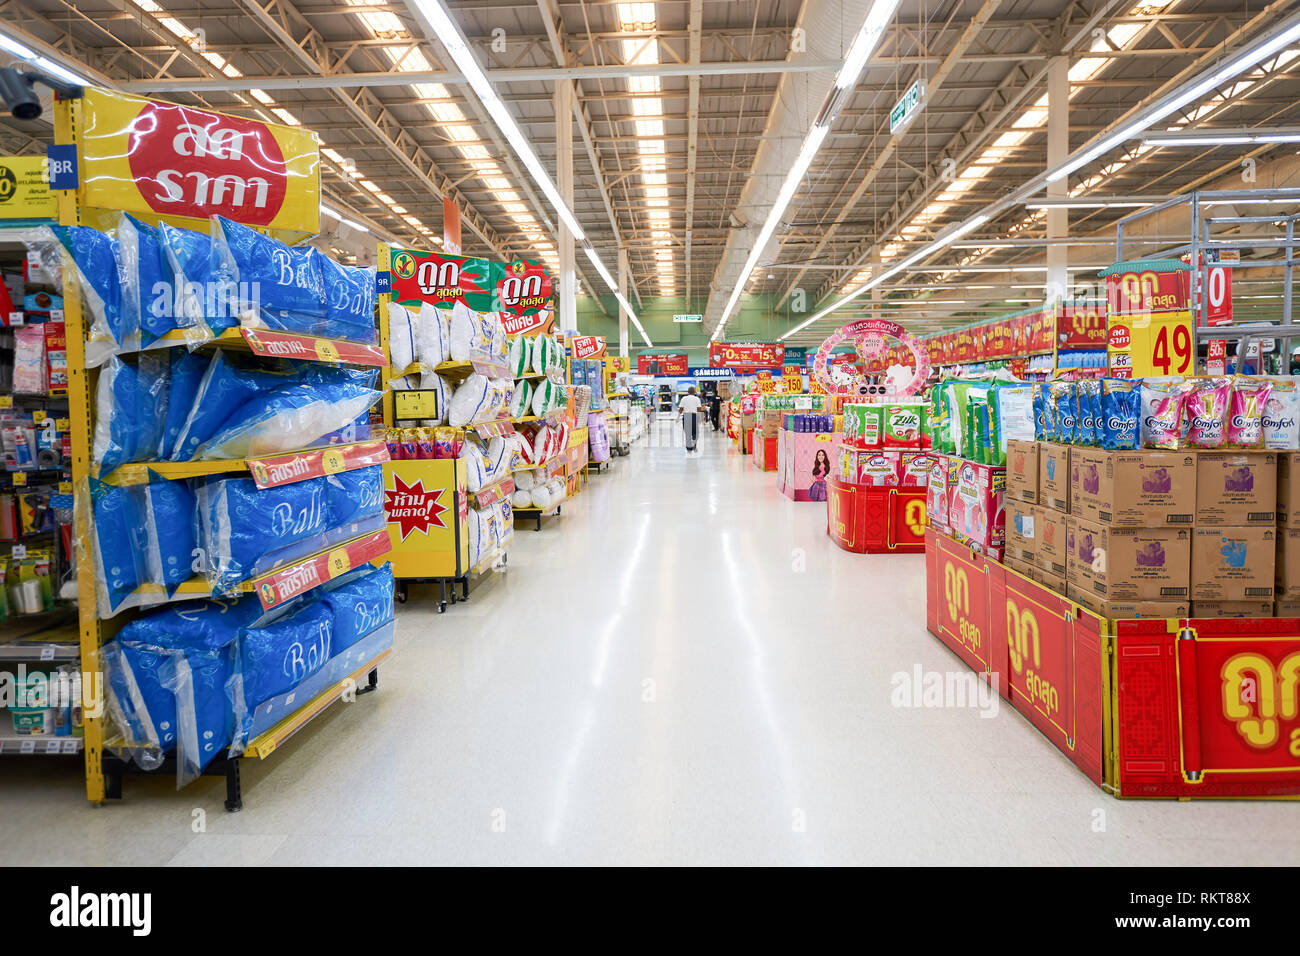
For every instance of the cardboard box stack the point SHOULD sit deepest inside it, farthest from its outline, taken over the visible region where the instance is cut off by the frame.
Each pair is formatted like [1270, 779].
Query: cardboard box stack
[1234, 552]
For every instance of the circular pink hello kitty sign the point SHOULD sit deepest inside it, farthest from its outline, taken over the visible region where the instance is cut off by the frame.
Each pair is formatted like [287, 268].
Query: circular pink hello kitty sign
[868, 337]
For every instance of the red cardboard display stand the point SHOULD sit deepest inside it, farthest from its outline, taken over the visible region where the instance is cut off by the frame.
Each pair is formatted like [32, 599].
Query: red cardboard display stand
[874, 519]
[1191, 707]
[764, 452]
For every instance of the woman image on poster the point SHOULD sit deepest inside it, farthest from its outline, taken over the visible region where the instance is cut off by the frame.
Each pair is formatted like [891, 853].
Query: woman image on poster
[821, 468]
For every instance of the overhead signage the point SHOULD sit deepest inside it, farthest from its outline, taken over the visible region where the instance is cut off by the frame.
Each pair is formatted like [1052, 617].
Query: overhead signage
[523, 297]
[159, 159]
[25, 188]
[907, 107]
[663, 365]
[688, 318]
[699, 372]
[1081, 327]
[440, 280]
[746, 355]
[587, 346]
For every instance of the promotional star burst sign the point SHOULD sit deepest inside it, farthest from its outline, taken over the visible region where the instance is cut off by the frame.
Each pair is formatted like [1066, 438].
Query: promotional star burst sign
[412, 508]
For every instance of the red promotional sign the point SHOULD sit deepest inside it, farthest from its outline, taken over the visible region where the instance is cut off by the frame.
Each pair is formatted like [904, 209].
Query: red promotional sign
[523, 292]
[1145, 291]
[286, 469]
[585, 346]
[1119, 337]
[663, 365]
[1041, 676]
[1218, 296]
[1042, 329]
[746, 355]
[288, 345]
[1081, 327]
[962, 594]
[1216, 357]
[288, 582]
[442, 280]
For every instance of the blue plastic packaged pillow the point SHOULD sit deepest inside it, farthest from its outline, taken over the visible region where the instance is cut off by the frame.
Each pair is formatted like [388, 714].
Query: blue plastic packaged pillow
[349, 301]
[188, 257]
[204, 636]
[147, 294]
[360, 606]
[96, 254]
[286, 418]
[120, 542]
[223, 389]
[317, 374]
[284, 281]
[353, 496]
[186, 372]
[170, 524]
[238, 524]
[279, 656]
[130, 411]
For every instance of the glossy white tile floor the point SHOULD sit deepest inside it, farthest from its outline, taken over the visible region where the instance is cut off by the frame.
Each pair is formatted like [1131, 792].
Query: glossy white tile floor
[681, 669]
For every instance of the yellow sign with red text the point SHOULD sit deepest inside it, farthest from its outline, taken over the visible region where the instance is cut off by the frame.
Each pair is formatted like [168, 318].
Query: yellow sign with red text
[165, 161]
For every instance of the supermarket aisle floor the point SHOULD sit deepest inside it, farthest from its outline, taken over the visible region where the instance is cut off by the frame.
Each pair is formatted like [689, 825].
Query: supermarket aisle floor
[680, 669]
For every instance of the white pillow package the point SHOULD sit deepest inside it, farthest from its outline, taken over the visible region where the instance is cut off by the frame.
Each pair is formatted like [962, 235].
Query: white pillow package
[557, 356]
[1282, 415]
[523, 453]
[500, 344]
[434, 381]
[471, 454]
[522, 498]
[470, 402]
[469, 343]
[520, 355]
[432, 335]
[401, 338]
[525, 480]
[498, 459]
[521, 401]
[542, 445]
[543, 397]
[543, 348]
[500, 393]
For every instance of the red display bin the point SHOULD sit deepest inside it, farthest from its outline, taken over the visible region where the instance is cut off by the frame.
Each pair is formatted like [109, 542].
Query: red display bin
[765, 453]
[871, 518]
[1183, 707]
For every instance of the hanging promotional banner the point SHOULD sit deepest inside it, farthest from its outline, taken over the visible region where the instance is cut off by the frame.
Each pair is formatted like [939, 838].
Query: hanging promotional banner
[451, 238]
[158, 159]
[25, 188]
[441, 280]
[523, 297]
[587, 346]
[746, 355]
[1143, 287]
[1081, 327]
[1218, 296]
[663, 365]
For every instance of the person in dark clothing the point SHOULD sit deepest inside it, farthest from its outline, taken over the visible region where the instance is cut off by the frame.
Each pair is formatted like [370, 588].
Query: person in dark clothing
[715, 411]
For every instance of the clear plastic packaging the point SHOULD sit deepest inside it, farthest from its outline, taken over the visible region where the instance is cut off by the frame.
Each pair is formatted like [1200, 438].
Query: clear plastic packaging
[287, 418]
[130, 410]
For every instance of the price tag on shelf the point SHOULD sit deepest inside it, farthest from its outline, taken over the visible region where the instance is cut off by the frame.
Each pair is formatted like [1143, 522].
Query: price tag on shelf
[19, 552]
[70, 745]
[20, 479]
[56, 315]
[15, 318]
[53, 746]
[6, 401]
[47, 652]
[27, 747]
[38, 416]
[65, 487]
[63, 424]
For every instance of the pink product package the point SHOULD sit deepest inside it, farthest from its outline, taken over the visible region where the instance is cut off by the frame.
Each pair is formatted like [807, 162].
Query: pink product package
[1205, 410]
[29, 360]
[1246, 408]
[1163, 408]
[597, 437]
[936, 496]
[914, 470]
[878, 468]
[976, 505]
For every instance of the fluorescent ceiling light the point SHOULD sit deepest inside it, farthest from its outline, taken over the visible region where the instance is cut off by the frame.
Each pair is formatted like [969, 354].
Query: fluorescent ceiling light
[1253, 54]
[1223, 137]
[863, 43]
[1095, 202]
[24, 52]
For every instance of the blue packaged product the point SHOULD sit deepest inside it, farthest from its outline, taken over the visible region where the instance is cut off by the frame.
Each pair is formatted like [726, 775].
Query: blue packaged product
[146, 280]
[186, 372]
[1040, 414]
[95, 254]
[1051, 414]
[277, 657]
[130, 411]
[352, 496]
[1121, 413]
[361, 605]
[289, 287]
[191, 703]
[286, 418]
[239, 524]
[1086, 394]
[120, 541]
[223, 389]
[171, 520]
[1062, 395]
[349, 301]
[188, 255]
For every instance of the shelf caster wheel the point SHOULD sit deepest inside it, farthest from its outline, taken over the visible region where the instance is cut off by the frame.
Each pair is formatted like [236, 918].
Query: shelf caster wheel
[401, 594]
[442, 607]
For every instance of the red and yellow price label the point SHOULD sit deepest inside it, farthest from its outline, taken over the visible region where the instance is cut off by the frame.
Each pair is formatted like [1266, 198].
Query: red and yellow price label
[1163, 343]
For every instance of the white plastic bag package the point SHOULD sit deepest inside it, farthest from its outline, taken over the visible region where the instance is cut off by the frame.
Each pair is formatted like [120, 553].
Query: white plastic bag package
[541, 496]
[500, 346]
[435, 382]
[503, 522]
[522, 399]
[520, 355]
[500, 392]
[543, 349]
[401, 339]
[525, 481]
[471, 338]
[524, 455]
[432, 335]
[287, 418]
[498, 459]
[542, 445]
[543, 397]
[470, 402]
[1282, 415]
[471, 453]
[557, 355]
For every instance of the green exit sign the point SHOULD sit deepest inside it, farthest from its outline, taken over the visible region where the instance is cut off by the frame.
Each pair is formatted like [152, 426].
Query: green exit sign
[688, 318]
[907, 107]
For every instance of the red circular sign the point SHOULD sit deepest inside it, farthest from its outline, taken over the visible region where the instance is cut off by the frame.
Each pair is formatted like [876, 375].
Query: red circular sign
[188, 162]
[1119, 337]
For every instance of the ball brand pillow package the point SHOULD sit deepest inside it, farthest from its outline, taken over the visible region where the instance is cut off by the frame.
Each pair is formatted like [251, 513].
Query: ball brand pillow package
[130, 410]
[361, 605]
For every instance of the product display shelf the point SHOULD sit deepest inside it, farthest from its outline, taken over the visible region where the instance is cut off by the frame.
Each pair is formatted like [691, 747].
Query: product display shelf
[13, 743]
[268, 343]
[267, 470]
[537, 514]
